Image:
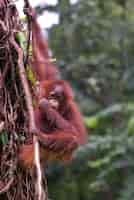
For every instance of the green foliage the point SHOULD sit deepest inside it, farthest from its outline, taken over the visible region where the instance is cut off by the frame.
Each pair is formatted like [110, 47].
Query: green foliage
[30, 75]
[3, 138]
[21, 39]
[94, 47]
[127, 192]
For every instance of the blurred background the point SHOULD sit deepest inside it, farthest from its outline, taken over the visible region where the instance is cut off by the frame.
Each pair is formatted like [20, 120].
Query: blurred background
[93, 43]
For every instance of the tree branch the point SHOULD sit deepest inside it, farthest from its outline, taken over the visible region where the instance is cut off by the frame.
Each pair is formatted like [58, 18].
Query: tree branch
[32, 127]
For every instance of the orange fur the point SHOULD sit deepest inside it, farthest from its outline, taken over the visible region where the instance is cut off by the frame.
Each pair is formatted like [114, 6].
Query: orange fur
[60, 131]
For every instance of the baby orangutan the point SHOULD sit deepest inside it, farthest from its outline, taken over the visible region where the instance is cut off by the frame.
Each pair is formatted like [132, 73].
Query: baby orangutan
[58, 120]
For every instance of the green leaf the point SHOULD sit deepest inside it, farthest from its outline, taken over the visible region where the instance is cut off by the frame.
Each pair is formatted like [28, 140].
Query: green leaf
[131, 126]
[98, 163]
[30, 75]
[21, 39]
[91, 122]
[4, 137]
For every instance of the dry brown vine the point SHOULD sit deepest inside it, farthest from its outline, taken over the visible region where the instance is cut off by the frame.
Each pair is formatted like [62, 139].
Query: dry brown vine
[16, 113]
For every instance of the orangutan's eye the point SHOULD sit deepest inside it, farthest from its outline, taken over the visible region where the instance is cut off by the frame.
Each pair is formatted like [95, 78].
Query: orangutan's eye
[52, 95]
